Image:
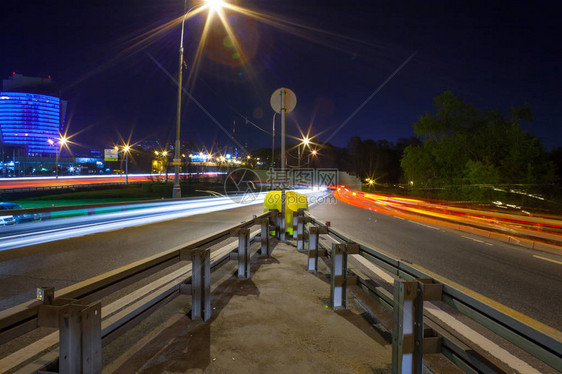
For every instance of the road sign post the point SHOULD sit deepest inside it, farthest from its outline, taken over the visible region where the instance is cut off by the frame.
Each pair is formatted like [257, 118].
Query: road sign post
[283, 101]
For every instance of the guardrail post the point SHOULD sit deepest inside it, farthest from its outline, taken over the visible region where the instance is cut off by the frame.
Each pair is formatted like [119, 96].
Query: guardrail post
[80, 339]
[338, 299]
[264, 237]
[201, 284]
[282, 228]
[244, 254]
[296, 215]
[407, 328]
[313, 246]
[300, 233]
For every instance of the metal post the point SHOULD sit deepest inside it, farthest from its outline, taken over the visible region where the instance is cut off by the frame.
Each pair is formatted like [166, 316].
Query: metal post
[273, 148]
[283, 164]
[338, 277]
[91, 339]
[201, 284]
[314, 240]
[264, 236]
[282, 221]
[296, 216]
[299, 149]
[126, 167]
[244, 254]
[176, 192]
[407, 328]
[300, 233]
[80, 339]
[56, 164]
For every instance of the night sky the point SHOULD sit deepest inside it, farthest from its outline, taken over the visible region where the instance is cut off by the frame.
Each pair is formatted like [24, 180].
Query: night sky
[332, 54]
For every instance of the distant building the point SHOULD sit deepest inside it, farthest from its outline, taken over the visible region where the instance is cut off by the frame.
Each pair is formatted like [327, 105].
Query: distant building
[32, 115]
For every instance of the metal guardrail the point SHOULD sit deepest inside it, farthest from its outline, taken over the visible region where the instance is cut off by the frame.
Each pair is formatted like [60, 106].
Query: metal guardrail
[412, 286]
[77, 313]
[84, 325]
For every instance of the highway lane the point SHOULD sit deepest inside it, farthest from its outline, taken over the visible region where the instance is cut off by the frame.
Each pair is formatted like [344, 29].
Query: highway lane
[37, 232]
[64, 262]
[525, 280]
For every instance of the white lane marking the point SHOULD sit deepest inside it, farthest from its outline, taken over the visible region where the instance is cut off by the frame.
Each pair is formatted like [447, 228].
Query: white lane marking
[486, 344]
[548, 259]
[424, 225]
[477, 240]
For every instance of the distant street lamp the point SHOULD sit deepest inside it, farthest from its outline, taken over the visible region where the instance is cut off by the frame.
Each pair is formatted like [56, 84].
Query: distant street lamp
[304, 142]
[314, 153]
[126, 150]
[62, 140]
[214, 5]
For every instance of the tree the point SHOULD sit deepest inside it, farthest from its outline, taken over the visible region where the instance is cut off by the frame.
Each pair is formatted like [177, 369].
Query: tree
[461, 144]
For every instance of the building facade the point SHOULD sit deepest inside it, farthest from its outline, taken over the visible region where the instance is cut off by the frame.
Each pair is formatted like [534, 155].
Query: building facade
[29, 117]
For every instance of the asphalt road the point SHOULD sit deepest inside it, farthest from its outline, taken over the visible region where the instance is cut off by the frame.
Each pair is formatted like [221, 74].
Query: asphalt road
[503, 272]
[64, 262]
[508, 274]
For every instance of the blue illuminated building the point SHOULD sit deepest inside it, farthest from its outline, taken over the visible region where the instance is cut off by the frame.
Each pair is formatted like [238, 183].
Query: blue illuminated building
[31, 116]
[31, 120]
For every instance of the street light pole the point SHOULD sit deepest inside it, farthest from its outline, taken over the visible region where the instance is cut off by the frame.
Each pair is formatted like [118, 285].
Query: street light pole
[57, 162]
[126, 167]
[273, 143]
[176, 192]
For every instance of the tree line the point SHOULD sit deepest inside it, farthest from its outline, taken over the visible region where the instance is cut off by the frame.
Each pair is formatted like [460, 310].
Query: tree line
[455, 145]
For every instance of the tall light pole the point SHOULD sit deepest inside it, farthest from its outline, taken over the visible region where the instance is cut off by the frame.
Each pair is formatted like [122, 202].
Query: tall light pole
[176, 192]
[273, 145]
[61, 142]
[126, 150]
[213, 5]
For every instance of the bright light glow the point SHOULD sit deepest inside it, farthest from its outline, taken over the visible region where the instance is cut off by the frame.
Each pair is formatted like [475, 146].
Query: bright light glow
[63, 140]
[156, 153]
[116, 148]
[150, 213]
[305, 141]
[215, 5]
[50, 141]
[165, 153]
[126, 148]
[315, 152]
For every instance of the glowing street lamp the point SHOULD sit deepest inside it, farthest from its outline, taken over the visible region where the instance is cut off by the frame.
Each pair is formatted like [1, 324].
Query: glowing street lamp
[314, 153]
[62, 140]
[214, 5]
[305, 142]
[126, 151]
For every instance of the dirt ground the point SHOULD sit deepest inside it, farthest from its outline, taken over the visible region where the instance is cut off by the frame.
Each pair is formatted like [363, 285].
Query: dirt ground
[278, 321]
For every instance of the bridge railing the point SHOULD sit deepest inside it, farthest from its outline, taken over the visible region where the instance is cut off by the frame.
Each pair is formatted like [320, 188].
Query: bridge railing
[415, 328]
[84, 325]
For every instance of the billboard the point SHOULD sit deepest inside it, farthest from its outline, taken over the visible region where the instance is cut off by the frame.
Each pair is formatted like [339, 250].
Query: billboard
[110, 154]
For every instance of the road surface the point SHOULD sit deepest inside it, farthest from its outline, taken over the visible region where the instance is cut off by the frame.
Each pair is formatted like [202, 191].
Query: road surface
[527, 281]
